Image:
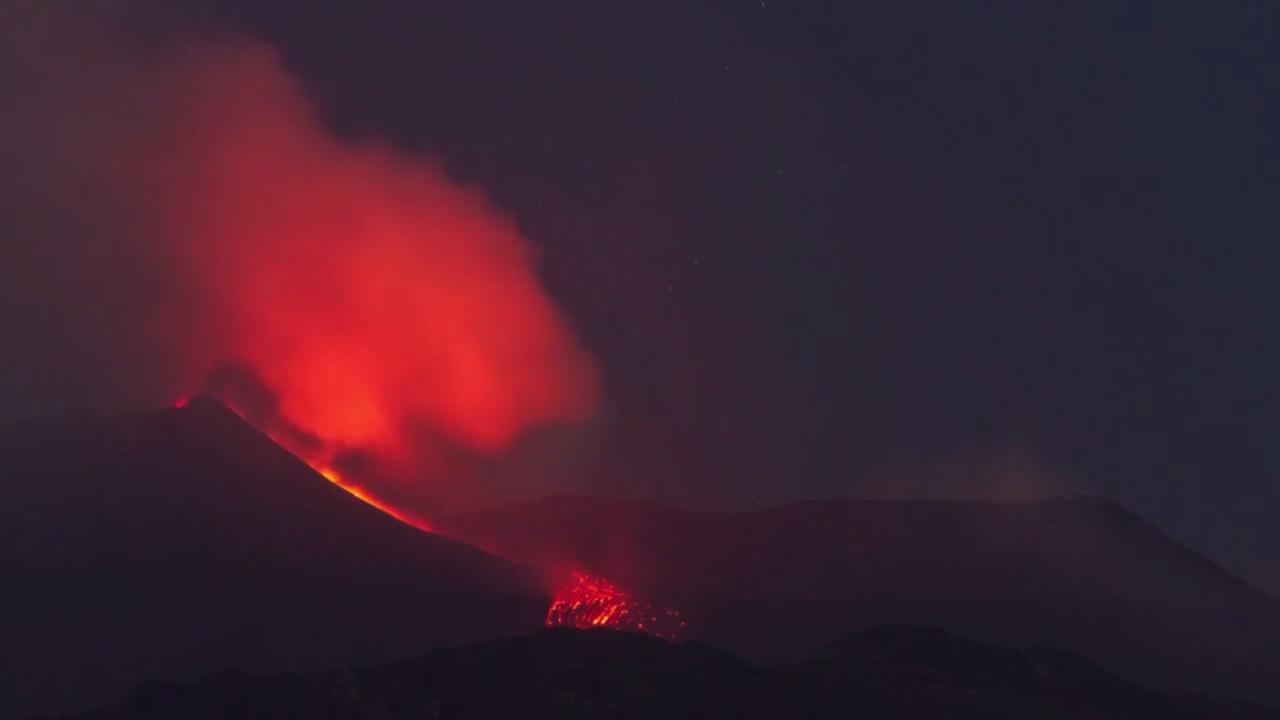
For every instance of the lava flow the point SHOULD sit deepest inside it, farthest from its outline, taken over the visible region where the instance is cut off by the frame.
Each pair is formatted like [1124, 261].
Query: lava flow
[359, 492]
[587, 601]
[280, 435]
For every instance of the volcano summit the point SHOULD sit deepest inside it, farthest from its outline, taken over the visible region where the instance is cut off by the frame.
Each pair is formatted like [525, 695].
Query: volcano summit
[171, 544]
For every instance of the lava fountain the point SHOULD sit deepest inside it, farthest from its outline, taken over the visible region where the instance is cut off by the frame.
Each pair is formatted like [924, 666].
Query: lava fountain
[585, 601]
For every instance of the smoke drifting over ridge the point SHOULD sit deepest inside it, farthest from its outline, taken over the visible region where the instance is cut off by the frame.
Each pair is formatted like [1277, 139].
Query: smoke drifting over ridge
[183, 210]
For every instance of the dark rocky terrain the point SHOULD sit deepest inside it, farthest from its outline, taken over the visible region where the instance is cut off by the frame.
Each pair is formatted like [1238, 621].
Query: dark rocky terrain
[914, 673]
[165, 546]
[1077, 573]
[173, 544]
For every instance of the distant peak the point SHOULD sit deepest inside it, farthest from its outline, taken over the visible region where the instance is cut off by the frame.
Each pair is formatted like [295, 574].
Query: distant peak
[200, 403]
[1097, 504]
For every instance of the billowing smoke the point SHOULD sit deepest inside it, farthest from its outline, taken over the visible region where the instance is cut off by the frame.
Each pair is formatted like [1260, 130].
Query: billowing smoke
[190, 222]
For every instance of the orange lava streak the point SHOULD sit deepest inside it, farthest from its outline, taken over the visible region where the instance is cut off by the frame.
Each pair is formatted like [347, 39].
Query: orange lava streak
[358, 492]
[328, 473]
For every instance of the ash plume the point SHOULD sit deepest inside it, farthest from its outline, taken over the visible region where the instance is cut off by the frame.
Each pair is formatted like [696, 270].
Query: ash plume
[183, 209]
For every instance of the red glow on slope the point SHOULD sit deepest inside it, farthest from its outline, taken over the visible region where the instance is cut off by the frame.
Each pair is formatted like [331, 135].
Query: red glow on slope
[586, 601]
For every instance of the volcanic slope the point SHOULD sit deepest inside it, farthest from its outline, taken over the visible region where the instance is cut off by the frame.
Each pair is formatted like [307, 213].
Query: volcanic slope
[1079, 573]
[172, 544]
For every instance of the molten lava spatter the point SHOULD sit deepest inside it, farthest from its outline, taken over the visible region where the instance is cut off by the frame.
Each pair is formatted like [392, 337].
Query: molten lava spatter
[586, 601]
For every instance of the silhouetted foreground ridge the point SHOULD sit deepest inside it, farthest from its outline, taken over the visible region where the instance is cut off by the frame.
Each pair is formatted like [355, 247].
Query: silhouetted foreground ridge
[887, 672]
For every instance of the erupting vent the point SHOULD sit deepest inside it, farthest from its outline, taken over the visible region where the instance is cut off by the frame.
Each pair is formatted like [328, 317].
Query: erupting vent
[587, 601]
[584, 601]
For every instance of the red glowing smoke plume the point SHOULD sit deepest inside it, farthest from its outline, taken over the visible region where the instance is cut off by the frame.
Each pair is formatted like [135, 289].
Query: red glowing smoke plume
[211, 235]
[368, 291]
[205, 223]
[585, 601]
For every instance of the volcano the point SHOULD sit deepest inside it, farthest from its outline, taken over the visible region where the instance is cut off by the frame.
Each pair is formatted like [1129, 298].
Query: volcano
[1079, 573]
[171, 544]
[168, 545]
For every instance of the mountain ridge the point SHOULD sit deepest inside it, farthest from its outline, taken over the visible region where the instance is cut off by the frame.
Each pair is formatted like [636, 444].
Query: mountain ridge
[895, 672]
[172, 543]
[1083, 573]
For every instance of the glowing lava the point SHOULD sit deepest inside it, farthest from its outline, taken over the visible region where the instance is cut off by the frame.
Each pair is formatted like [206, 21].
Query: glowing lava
[316, 462]
[587, 601]
[404, 516]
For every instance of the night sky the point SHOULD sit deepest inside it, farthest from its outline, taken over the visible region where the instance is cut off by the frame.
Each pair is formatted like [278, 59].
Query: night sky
[997, 250]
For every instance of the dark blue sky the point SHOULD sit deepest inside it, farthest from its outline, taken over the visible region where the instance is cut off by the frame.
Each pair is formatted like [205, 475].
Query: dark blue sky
[810, 240]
